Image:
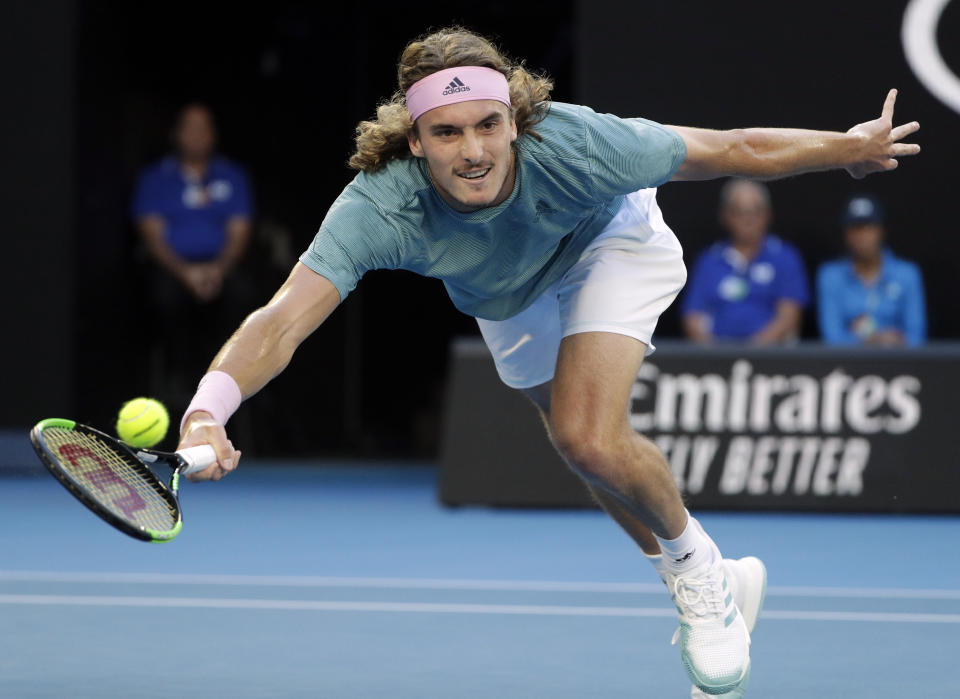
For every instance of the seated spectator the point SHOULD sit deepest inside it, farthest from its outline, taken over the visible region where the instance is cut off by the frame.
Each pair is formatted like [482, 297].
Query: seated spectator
[870, 297]
[752, 288]
[193, 212]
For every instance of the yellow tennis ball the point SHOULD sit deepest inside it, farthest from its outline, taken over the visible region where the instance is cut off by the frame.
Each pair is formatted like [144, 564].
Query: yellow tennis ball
[142, 422]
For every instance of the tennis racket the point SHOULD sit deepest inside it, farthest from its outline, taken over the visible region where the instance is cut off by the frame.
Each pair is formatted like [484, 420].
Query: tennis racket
[114, 480]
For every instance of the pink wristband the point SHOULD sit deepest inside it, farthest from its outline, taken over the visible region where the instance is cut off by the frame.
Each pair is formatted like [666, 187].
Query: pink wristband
[217, 394]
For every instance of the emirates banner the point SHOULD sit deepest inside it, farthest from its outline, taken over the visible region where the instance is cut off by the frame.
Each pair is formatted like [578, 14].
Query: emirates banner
[807, 428]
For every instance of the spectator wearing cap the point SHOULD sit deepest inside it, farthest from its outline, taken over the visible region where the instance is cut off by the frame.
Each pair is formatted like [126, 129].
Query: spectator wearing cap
[752, 288]
[871, 296]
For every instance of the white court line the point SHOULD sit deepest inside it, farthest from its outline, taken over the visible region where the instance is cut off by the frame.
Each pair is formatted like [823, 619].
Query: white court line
[862, 592]
[327, 581]
[443, 584]
[443, 608]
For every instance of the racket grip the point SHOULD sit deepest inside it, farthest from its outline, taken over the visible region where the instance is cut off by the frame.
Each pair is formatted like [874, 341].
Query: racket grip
[197, 458]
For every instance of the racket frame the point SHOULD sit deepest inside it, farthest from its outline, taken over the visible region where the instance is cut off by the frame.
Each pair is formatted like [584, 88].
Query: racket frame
[138, 461]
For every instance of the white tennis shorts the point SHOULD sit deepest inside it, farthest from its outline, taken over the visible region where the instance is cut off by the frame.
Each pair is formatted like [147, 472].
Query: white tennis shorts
[623, 281]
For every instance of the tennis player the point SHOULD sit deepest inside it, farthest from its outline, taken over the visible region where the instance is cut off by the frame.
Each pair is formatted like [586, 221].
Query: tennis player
[541, 220]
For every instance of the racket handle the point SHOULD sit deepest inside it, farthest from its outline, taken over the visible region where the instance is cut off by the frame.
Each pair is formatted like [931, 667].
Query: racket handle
[197, 458]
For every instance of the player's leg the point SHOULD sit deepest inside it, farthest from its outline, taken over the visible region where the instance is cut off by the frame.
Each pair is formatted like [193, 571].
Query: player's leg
[617, 290]
[746, 577]
[610, 302]
[525, 349]
[589, 421]
[637, 530]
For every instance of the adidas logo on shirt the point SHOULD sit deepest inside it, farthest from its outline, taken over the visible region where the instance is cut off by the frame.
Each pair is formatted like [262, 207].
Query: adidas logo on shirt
[456, 85]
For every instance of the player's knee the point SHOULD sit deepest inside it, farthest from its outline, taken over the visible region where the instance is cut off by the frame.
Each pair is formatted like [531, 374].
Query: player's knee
[585, 445]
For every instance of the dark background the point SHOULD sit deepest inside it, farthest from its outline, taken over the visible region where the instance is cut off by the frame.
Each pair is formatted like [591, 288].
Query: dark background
[93, 87]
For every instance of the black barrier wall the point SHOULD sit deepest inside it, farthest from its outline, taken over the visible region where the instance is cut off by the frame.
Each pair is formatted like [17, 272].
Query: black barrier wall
[806, 428]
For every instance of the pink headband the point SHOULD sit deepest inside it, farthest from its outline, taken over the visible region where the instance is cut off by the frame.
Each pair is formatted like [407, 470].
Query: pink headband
[453, 85]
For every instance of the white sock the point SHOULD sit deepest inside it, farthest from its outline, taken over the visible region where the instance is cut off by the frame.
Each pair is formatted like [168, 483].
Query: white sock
[658, 564]
[689, 550]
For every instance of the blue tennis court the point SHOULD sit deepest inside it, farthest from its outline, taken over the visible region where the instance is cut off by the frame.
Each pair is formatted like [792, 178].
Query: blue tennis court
[353, 582]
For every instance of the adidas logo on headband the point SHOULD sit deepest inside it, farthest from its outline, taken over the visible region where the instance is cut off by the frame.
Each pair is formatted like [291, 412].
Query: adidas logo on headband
[456, 85]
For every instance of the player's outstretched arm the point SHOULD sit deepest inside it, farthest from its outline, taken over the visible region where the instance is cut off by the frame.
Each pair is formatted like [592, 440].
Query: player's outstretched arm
[259, 350]
[873, 146]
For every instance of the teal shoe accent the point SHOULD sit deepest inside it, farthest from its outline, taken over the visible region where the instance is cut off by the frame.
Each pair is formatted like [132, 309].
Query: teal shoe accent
[736, 693]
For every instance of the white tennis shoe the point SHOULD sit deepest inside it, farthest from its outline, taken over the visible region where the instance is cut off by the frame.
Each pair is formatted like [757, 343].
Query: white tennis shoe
[747, 578]
[713, 636]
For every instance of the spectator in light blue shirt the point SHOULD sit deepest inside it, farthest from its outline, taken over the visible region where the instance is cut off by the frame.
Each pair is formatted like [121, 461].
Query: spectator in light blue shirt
[870, 297]
[752, 288]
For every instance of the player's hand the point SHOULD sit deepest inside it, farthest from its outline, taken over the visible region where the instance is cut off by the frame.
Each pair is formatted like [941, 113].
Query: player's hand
[880, 142]
[201, 428]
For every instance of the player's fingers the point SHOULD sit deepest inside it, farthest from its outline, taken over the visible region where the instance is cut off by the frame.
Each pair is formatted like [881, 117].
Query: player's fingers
[207, 474]
[225, 458]
[904, 130]
[230, 462]
[221, 447]
[899, 149]
[891, 164]
[887, 112]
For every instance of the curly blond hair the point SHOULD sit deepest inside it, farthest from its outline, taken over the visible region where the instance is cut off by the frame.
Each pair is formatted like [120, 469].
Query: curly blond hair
[385, 138]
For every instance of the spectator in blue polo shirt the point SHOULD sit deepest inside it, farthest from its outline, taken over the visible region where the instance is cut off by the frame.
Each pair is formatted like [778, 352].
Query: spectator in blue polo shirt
[870, 297]
[193, 208]
[752, 288]
[193, 212]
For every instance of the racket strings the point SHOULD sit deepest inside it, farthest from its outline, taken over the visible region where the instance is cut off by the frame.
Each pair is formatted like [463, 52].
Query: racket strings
[112, 478]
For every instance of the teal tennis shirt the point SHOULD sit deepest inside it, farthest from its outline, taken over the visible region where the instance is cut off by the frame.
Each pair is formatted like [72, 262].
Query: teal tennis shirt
[496, 261]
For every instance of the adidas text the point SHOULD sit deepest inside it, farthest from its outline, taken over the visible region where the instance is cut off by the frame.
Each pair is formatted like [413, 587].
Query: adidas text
[456, 85]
